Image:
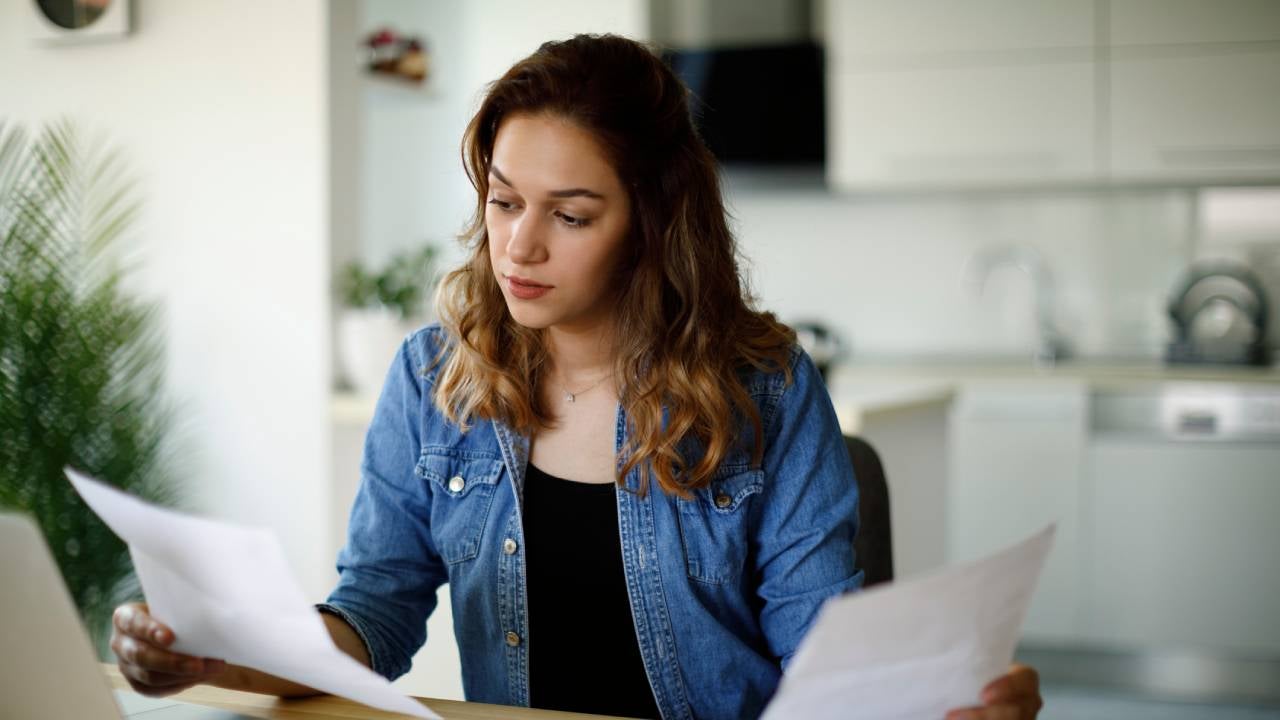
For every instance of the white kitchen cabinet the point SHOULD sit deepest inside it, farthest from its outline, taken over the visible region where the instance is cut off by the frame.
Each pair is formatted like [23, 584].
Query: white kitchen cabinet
[1194, 90]
[1182, 551]
[1183, 22]
[872, 31]
[1016, 453]
[1195, 114]
[930, 94]
[960, 126]
[927, 94]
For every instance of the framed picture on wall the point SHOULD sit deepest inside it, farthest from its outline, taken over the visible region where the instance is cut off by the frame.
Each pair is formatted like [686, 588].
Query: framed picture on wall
[74, 21]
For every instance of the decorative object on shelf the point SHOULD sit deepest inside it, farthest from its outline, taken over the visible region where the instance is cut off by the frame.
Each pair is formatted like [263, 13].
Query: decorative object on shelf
[81, 362]
[75, 21]
[379, 310]
[391, 54]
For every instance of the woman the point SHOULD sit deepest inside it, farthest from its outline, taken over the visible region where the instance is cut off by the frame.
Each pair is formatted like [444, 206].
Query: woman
[633, 483]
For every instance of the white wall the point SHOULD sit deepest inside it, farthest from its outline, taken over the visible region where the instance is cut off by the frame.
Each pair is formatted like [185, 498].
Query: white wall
[219, 108]
[500, 32]
[414, 188]
[886, 272]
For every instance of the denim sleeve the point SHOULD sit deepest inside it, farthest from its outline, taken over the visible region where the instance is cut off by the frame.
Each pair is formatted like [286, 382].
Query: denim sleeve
[808, 513]
[389, 569]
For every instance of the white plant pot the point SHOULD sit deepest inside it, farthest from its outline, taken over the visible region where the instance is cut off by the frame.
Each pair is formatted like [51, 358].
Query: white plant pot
[368, 339]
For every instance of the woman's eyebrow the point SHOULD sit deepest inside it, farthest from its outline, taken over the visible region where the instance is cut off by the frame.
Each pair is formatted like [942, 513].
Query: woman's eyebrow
[571, 192]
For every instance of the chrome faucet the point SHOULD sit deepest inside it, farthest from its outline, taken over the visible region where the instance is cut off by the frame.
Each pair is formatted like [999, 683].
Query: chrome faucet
[1051, 347]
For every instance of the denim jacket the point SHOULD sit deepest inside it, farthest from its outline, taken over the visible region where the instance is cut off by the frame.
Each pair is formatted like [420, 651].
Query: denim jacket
[722, 586]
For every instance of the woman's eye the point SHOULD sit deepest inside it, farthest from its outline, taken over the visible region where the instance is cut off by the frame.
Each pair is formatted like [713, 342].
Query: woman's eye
[574, 222]
[501, 204]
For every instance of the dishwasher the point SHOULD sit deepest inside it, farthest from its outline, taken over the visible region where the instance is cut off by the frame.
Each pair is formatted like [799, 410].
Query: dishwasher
[1181, 558]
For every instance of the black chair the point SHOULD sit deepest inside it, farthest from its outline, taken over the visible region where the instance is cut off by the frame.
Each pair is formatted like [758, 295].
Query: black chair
[873, 548]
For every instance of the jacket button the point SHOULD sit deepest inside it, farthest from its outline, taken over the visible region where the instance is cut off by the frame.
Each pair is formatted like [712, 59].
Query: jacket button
[456, 484]
[513, 639]
[723, 501]
[509, 546]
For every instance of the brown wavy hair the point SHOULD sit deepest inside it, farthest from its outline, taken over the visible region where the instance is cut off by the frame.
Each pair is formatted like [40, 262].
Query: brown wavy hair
[685, 324]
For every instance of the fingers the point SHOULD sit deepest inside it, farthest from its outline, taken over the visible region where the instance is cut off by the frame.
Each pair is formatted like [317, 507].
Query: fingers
[133, 619]
[155, 659]
[1019, 681]
[1020, 687]
[144, 679]
[139, 642]
[989, 712]
[1012, 696]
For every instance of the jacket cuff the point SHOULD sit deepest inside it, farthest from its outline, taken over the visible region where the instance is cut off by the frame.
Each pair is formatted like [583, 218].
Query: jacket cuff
[362, 631]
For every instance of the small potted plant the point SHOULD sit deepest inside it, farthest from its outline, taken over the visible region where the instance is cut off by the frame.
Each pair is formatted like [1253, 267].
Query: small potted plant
[379, 310]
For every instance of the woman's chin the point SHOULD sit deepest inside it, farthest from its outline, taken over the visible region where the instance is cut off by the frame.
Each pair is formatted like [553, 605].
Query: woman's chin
[530, 319]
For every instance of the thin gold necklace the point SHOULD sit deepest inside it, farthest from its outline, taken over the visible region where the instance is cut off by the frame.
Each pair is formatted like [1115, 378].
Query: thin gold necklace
[572, 396]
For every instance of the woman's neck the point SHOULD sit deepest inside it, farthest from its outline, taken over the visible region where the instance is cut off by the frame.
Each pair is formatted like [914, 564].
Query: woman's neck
[578, 355]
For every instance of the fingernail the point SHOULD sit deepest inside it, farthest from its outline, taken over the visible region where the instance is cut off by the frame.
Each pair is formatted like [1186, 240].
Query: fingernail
[158, 635]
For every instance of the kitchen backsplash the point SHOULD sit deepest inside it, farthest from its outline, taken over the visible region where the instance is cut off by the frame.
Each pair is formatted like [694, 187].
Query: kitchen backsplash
[887, 272]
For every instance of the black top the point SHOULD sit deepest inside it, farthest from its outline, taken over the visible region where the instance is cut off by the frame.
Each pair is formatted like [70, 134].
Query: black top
[583, 652]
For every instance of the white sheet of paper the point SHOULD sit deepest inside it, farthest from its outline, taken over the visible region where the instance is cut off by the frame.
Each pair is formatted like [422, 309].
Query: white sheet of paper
[227, 592]
[914, 649]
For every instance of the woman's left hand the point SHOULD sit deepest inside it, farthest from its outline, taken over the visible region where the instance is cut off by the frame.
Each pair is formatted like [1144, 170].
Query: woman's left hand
[1012, 696]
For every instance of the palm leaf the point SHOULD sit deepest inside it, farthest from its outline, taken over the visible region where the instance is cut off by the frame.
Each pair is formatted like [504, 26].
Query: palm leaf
[80, 360]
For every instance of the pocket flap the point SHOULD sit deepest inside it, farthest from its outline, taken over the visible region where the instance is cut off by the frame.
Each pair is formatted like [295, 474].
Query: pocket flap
[457, 472]
[730, 487]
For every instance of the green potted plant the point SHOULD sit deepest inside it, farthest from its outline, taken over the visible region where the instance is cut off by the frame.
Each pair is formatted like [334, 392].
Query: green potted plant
[80, 360]
[381, 307]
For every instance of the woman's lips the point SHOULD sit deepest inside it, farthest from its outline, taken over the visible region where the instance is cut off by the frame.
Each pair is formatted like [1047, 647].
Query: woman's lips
[526, 292]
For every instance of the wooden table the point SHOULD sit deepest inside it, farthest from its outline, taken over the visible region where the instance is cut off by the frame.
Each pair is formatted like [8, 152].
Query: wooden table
[327, 707]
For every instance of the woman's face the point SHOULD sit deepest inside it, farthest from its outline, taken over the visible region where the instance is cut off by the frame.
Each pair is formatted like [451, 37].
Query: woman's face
[557, 217]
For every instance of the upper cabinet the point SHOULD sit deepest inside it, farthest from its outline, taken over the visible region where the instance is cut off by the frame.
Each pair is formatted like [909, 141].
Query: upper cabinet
[929, 93]
[1011, 93]
[1194, 90]
[1192, 22]
[871, 31]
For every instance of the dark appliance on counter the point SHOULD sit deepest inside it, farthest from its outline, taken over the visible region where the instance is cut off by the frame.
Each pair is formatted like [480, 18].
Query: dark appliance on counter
[820, 342]
[1220, 315]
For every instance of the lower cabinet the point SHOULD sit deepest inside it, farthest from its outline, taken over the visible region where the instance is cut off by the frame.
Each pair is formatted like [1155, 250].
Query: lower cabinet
[1016, 452]
[1167, 540]
[1183, 549]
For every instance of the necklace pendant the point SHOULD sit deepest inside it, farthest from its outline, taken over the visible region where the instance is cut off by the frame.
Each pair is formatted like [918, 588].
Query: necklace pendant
[568, 396]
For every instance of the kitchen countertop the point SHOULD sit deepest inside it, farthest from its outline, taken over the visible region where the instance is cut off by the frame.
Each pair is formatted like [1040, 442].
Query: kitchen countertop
[1099, 372]
[859, 402]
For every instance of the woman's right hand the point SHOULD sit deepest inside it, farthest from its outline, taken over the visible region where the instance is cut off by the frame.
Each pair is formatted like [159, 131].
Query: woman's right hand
[140, 641]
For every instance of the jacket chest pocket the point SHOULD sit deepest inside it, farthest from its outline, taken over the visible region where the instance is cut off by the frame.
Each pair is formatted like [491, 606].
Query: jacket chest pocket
[463, 484]
[714, 526]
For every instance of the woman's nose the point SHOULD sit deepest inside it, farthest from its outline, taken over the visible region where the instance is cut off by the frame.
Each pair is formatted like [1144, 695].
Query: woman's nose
[525, 244]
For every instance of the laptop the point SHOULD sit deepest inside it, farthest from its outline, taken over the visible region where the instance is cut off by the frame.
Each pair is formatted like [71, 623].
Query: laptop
[48, 669]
